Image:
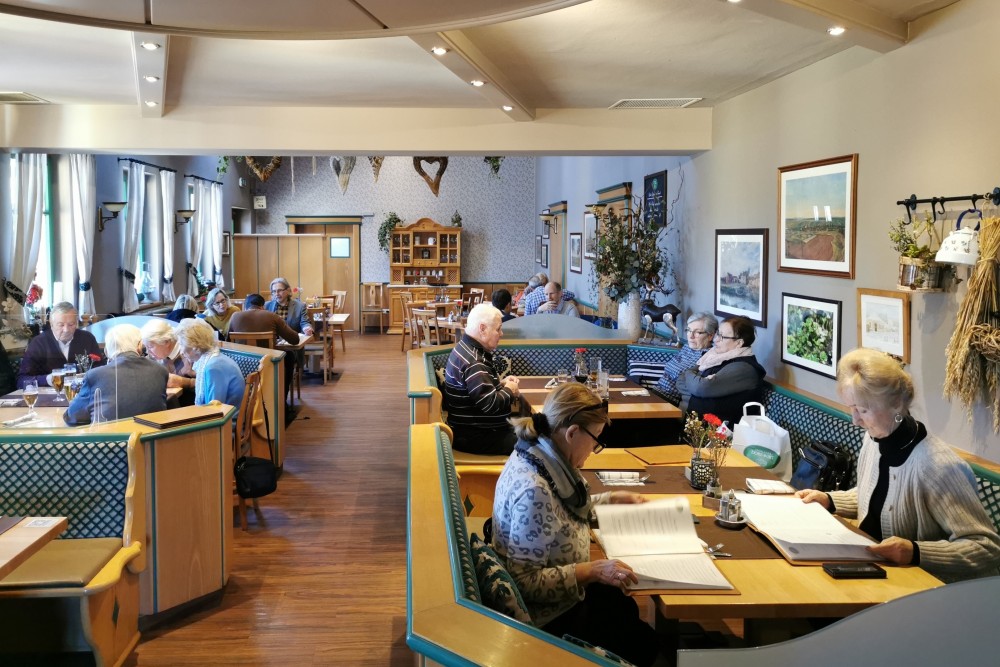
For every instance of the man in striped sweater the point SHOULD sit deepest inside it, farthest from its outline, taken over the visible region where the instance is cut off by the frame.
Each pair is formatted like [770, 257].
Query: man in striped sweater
[478, 402]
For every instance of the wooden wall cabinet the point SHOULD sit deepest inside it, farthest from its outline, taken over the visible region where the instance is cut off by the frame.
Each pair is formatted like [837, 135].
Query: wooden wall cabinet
[424, 259]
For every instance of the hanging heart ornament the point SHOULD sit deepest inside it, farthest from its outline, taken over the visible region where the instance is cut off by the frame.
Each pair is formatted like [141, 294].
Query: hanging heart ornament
[263, 173]
[435, 182]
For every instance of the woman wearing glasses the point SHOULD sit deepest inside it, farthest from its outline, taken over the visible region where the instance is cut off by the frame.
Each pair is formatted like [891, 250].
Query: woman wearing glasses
[541, 530]
[727, 376]
[218, 311]
[701, 328]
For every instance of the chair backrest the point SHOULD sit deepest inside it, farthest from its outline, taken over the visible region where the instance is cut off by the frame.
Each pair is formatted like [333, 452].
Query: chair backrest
[416, 335]
[426, 319]
[317, 316]
[336, 299]
[254, 338]
[244, 420]
[371, 296]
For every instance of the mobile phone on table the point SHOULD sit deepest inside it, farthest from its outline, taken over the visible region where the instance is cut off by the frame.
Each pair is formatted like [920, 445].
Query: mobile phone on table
[854, 570]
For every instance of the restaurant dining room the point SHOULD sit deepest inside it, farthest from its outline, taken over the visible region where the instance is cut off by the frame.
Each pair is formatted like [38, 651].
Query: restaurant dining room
[490, 333]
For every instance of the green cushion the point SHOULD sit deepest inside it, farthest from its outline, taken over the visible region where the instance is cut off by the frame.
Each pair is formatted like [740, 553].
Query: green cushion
[762, 456]
[63, 563]
[495, 584]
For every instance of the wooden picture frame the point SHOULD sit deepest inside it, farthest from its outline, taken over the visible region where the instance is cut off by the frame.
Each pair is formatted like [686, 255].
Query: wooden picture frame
[741, 274]
[576, 252]
[884, 322]
[590, 235]
[654, 198]
[538, 249]
[817, 207]
[227, 243]
[810, 333]
[545, 255]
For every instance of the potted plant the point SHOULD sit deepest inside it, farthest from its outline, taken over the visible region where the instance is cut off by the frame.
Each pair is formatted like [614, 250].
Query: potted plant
[917, 243]
[456, 220]
[385, 230]
[629, 258]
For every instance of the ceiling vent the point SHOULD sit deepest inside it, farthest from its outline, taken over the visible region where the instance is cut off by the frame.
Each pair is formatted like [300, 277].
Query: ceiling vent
[656, 103]
[18, 97]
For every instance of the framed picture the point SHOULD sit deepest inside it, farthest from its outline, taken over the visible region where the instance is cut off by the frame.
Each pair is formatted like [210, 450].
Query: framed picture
[810, 334]
[817, 204]
[538, 249]
[884, 321]
[545, 229]
[741, 274]
[590, 236]
[576, 253]
[227, 243]
[545, 255]
[654, 198]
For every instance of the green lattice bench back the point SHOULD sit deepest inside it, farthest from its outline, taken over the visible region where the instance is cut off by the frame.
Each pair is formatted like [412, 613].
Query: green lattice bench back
[247, 361]
[461, 549]
[988, 482]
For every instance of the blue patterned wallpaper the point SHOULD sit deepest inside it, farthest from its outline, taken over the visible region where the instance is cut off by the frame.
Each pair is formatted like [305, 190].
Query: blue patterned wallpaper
[498, 215]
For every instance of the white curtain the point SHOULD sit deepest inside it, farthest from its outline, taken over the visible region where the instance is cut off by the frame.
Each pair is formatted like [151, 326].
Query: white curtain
[200, 228]
[27, 234]
[133, 233]
[83, 218]
[217, 234]
[167, 194]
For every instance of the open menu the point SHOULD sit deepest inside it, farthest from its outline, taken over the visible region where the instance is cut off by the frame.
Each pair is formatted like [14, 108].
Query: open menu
[804, 533]
[658, 541]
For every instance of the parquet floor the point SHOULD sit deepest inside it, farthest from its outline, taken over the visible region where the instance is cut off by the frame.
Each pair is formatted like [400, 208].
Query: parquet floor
[321, 579]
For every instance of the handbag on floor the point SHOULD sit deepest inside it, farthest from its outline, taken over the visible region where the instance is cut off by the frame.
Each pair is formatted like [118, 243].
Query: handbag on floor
[256, 476]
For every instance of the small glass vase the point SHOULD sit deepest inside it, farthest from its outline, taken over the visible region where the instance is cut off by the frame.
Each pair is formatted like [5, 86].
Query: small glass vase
[702, 473]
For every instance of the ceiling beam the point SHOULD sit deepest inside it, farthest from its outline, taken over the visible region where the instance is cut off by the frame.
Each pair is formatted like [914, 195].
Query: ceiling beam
[865, 26]
[467, 62]
[150, 63]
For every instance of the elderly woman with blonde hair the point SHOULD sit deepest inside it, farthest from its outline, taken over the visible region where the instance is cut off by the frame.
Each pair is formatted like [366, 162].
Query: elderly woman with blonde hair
[914, 495]
[217, 377]
[185, 307]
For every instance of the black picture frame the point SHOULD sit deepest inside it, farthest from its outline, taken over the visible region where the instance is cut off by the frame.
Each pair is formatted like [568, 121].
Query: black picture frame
[654, 198]
[741, 274]
[801, 346]
[538, 249]
[545, 255]
[576, 252]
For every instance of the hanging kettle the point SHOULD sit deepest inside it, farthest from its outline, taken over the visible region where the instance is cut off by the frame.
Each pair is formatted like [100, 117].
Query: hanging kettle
[962, 244]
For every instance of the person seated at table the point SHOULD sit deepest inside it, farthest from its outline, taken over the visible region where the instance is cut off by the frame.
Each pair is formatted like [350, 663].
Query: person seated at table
[914, 495]
[129, 384]
[726, 377]
[541, 529]
[533, 283]
[538, 296]
[502, 302]
[701, 328]
[478, 402]
[218, 311]
[255, 318]
[217, 377]
[8, 381]
[291, 310]
[185, 307]
[555, 304]
[160, 341]
[57, 346]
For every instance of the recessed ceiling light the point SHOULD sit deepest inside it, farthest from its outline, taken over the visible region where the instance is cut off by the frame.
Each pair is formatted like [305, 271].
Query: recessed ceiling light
[837, 30]
[150, 103]
[507, 107]
[734, 1]
[151, 79]
[478, 83]
[149, 46]
[439, 50]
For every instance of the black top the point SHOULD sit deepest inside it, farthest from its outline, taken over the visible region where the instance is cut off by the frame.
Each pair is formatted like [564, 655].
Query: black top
[181, 314]
[893, 450]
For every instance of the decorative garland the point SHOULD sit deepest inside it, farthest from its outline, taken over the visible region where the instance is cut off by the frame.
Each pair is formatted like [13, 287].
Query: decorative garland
[263, 173]
[376, 163]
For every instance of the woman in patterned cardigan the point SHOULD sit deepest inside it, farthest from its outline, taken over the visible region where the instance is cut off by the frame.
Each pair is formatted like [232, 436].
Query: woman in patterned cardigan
[541, 530]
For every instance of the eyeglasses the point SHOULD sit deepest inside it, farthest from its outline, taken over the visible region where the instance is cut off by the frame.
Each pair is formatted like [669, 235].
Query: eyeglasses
[279, 290]
[221, 302]
[599, 446]
[695, 332]
[719, 335]
[603, 405]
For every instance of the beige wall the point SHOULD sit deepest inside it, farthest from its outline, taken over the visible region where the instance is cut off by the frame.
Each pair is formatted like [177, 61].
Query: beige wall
[923, 120]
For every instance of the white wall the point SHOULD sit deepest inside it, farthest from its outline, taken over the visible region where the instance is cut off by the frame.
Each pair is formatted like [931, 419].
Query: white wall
[923, 120]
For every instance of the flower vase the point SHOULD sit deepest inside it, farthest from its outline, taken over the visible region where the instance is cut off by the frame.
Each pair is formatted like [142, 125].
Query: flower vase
[629, 318]
[702, 473]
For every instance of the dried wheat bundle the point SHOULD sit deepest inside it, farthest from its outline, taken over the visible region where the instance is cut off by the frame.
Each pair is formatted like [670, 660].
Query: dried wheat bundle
[973, 369]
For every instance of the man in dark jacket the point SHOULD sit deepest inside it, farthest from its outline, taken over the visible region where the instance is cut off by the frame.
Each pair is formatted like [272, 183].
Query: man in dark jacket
[56, 347]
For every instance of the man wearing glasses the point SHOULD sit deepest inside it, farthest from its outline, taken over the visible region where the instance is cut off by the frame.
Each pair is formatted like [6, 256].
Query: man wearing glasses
[291, 310]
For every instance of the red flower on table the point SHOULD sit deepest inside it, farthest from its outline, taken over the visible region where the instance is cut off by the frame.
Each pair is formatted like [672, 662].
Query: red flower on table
[712, 420]
[33, 295]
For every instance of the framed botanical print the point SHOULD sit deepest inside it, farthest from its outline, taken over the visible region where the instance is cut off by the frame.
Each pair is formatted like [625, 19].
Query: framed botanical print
[545, 255]
[538, 249]
[817, 203]
[576, 253]
[810, 333]
[741, 274]
[590, 235]
[884, 322]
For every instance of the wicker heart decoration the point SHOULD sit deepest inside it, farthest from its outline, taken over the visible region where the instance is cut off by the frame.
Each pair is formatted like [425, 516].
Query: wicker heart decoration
[434, 183]
[263, 173]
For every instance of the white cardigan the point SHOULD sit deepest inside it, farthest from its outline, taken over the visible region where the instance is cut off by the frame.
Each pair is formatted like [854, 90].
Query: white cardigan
[931, 500]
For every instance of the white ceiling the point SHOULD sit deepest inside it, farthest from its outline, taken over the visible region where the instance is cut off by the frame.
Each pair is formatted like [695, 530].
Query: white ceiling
[569, 54]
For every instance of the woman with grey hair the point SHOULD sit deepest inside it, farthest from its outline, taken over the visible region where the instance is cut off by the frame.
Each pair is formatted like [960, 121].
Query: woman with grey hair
[218, 310]
[129, 385]
[217, 377]
[700, 330]
[184, 308]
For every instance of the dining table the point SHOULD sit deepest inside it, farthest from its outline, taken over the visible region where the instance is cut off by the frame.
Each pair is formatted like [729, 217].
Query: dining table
[48, 408]
[23, 537]
[626, 399]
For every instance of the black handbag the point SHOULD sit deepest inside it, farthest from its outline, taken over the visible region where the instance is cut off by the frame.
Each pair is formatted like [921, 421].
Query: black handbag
[824, 466]
[256, 477]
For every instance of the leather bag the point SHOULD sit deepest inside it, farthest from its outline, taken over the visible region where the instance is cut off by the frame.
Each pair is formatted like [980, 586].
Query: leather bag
[824, 466]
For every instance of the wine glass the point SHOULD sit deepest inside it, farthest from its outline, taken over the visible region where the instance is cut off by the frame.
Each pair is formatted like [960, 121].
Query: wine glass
[58, 379]
[30, 395]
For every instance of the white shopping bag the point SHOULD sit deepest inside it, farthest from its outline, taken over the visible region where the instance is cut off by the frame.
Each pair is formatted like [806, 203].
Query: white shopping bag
[761, 431]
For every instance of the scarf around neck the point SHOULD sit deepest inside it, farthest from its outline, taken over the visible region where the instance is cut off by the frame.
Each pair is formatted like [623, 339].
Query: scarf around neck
[565, 480]
[712, 358]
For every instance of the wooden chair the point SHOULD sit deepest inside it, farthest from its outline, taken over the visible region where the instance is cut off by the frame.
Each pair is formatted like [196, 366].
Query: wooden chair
[243, 437]
[476, 486]
[426, 321]
[323, 346]
[416, 333]
[266, 339]
[337, 299]
[372, 304]
[405, 298]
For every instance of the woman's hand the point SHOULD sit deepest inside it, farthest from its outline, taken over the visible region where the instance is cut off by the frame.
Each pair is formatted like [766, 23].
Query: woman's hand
[813, 496]
[895, 550]
[627, 498]
[608, 572]
[176, 381]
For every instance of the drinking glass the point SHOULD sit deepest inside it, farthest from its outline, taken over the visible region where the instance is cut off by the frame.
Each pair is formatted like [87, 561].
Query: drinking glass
[563, 376]
[602, 385]
[58, 377]
[580, 371]
[30, 395]
[595, 368]
[71, 386]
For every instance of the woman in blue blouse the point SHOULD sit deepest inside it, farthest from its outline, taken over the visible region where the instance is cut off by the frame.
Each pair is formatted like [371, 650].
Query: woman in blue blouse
[217, 377]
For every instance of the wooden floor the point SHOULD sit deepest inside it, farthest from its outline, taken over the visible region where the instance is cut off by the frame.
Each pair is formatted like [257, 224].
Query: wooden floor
[321, 579]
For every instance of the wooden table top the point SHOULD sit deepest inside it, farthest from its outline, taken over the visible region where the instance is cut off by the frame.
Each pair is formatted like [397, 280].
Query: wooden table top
[25, 539]
[533, 392]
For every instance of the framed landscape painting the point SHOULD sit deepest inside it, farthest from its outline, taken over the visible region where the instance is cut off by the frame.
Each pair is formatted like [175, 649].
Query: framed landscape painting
[817, 203]
[654, 198]
[810, 334]
[590, 236]
[884, 322]
[538, 249]
[545, 255]
[576, 253]
[741, 274]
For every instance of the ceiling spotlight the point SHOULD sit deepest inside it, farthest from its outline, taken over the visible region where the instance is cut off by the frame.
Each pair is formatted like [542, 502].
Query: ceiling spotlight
[439, 50]
[507, 107]
[733, 2]
[150, 103]
[837, 30]
[478, 83]
[149, 46]
[151, 79]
